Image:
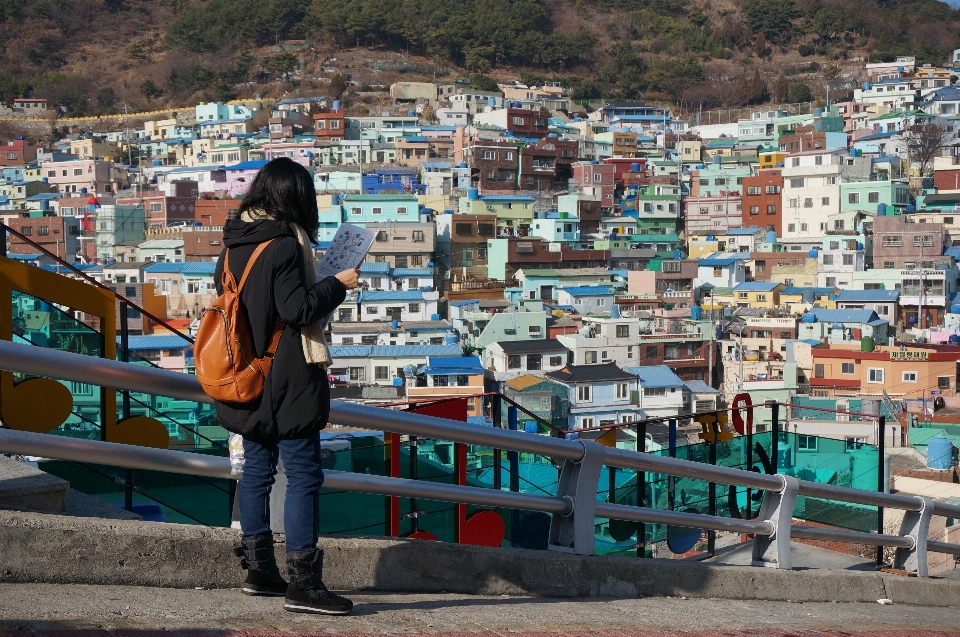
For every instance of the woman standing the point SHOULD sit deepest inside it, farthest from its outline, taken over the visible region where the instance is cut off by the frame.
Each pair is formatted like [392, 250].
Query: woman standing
[284, 423]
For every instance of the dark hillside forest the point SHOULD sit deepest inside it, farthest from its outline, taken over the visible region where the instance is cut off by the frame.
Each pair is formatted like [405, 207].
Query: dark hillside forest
[92, 56]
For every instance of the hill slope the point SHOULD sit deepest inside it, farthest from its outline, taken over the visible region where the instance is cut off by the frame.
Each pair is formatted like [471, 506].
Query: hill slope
[94, 55]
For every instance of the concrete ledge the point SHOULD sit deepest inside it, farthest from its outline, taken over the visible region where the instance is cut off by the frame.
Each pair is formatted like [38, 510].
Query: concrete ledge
[27, 488]
[57, 549]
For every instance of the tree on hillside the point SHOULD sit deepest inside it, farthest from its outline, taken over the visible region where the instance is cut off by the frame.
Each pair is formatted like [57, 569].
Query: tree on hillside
[481, 82]
[800, 93]
[281, 63]
[243, 62]
[773, 18]
[926, 140]
[338, 86]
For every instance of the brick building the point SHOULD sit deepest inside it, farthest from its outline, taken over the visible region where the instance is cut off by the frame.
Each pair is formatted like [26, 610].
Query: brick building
[330, 126]
[762, 200]
[898, 243]
[524, 253]
[16, 152]
[213, 213]
[202, 244]
[59, 235]
[596, 179]
[503, 164]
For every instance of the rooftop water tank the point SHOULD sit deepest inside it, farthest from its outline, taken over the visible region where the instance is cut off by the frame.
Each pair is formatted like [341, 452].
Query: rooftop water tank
[336, 105]
[615, 311]
[866, 344]
[784, 456]
[634, 167]
[870, 406]
[809, 318]
[595, 162]
[771, 236]
[45, 180]
[866, 86]
[398, 382]
[853, 152]
[158, 162]
[900, 69]
[676, 253]
[882, 210]
[955, 309]
[434, 317]
[83, 191]
[817, 112]
[954, 339]
[463, 164]
[911, 208]
[716, 159]
[44, 205]
[696, 313]
[473, 194]
[939, 452]
[450, 339]
[411, 113]
[808, 296]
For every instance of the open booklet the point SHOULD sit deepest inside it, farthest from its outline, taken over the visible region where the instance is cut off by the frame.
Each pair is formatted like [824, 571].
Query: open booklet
[347, 250]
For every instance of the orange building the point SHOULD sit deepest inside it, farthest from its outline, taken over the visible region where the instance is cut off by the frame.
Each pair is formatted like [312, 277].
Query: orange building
[902, 374]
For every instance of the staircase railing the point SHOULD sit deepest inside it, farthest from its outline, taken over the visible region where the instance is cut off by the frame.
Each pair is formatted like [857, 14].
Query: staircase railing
[573, 509]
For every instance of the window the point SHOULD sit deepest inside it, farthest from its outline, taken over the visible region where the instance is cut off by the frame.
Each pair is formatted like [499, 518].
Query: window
[654, 391]
[489, 154]
[818, 370]
[534, 330]
[909, 377]
[377, 211]
[413, 308]
[604, 355]
[825, 201]
[873, 197]
[806, 443]
[77, 172]
[853, 197]
[848, 259]
[753, 190]
[831, 281]
[925, 240]
[401, 210]
[590, 357]
[534, 362]
[794, 203]
[372, 309]
[761, 297]
[754, 210]
[828, 259]
[888, 265]
[796, 182]
[43, 231]
[808, 202]
[356, 211]
[400, 261]
[772, 209]
[943, 382]
[875, 375]
[586, 422]
[791, 227]
[652, 351]
[518, 121]
[772, 190]
[513, 362]
[381, 373]
[891, 241]
[623, 331]
[82, 389]
[382, 236]
[622, 391]
[847, 368]
[26, 231]
[583, 393]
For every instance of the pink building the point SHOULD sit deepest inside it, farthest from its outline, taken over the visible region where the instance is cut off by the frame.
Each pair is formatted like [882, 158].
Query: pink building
[240, 175]
[597, 180]
[719, 212]
[97, 176]
[300, 152]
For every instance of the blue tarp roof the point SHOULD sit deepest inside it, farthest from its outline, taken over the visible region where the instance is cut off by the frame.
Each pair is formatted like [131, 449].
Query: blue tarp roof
[755, 286]
[656, 376]
[722, 259]
[382, 267]
[393, 351]
[462, 303]
[196, 267]
[699, 387]
[868, 295]
[396, 295]
[412, 272]
[249, 165]
[744, 231]
[157, 341]
[587, 290]
[801, 290]
[452, 365]
[868, 317]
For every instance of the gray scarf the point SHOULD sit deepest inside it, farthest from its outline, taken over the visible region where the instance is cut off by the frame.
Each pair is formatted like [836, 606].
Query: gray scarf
[312, 338]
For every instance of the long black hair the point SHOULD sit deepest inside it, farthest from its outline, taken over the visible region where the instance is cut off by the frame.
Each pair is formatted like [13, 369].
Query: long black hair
[284, 190]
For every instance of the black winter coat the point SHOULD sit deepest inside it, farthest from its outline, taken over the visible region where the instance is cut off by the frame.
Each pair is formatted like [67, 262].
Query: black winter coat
[296, 396]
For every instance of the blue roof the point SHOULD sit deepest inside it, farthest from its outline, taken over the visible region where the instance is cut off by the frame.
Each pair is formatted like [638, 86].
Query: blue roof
[744, 231]
[462, 303]
[43, 196]
[720, 259]
[587, 290]
[700, 387]
[393, 351]
[414, 138]
[801, 290]
[453, 365]
[249, 165]
[846, 316]
[436, 165]
[506, 198]
[156, 341]
[396, 295]
[196, 267]
[868, 295]
[874, 136]
[383, 267]
[412, 272]
[656, 376]
[755, 286]
[952, 252]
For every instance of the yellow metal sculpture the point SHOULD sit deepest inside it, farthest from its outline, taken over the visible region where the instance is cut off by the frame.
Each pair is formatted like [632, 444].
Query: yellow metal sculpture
[714, 427]
[40, 404]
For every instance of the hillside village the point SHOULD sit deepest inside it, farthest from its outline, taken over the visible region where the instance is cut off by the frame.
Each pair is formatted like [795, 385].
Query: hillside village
[597, 264]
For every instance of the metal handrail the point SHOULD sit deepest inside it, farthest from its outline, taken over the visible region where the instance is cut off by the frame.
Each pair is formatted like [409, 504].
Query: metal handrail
[68, 366]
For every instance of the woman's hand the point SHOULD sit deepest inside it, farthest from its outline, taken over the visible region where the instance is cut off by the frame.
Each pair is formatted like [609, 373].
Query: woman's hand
[349, 278]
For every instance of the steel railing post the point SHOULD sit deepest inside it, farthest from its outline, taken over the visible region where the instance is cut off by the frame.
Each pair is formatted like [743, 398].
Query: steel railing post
[672, 451]
[641, 491]
[915, 525]
[125, 397]
[776, 509]
[775, 428]
[513, 459]
[574, 532]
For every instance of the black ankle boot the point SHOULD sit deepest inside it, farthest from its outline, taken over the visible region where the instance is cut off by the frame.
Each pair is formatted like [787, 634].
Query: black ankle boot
[307, 593]
[260, 562]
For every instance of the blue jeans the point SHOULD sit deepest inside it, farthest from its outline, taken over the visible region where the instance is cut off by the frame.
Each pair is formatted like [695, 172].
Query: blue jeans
[301, 465]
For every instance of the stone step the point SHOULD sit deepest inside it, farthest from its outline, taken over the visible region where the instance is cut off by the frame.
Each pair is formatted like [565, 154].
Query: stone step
[24, 487]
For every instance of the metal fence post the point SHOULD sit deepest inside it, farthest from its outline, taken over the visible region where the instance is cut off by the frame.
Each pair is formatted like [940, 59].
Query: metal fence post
[125, 396]
[573, 533]
[513, 458]
[775, 427]
[641, 491]
[712, 499]
[672, 452]
[882, 481]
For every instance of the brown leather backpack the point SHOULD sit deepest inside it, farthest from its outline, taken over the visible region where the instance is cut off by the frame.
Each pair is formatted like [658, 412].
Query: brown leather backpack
[224, 350]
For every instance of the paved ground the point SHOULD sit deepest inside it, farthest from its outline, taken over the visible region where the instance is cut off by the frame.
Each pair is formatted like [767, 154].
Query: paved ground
[114, 611]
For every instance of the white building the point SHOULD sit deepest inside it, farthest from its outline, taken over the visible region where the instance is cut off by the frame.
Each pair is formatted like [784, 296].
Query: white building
[409, 305]
[811, 190]
[604, 340]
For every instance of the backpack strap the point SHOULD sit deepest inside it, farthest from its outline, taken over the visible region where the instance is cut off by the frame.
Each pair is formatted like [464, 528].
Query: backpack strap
[267, 359]
[253, 259]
